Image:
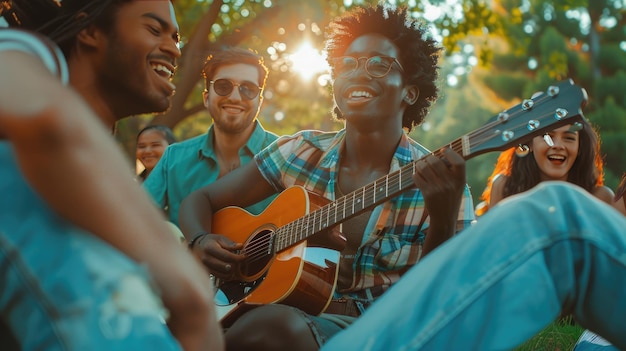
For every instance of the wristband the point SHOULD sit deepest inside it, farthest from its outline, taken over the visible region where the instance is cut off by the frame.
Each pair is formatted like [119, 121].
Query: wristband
[195, 238]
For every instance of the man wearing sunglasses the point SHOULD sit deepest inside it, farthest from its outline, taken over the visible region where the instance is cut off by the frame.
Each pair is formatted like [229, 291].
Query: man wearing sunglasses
[384, 67]
[234, 81]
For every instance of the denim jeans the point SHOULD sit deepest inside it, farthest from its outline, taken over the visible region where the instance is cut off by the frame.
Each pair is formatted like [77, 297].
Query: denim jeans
[64, 289]
[507, 277]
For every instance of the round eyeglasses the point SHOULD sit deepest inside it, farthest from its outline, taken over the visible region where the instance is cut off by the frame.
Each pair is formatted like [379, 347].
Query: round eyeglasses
[224, 87]
[375, 66]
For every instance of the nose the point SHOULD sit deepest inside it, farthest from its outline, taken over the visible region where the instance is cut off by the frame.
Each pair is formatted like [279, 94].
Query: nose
[171, 47]
[146, 150]
[235, 94]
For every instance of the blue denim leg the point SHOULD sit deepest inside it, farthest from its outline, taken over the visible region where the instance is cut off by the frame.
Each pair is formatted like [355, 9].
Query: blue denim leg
[507, 277]
[73, 292]
[63, 289]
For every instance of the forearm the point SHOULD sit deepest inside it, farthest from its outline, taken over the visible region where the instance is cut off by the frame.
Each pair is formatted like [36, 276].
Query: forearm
[196, 214]
[72, 162]
[66, 154]
[242, 187]
[439, 231]
[444, 223]
[75, 166]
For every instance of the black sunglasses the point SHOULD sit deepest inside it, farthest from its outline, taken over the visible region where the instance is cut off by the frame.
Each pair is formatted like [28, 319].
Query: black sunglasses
[224, 87]
[375, 66]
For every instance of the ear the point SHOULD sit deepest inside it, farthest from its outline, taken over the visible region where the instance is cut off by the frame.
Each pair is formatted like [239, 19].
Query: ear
[89, 36]
[411, 94]
[205, 98]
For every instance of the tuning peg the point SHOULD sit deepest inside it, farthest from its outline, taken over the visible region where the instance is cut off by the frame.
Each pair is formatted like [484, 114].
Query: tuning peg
[553, 91]
[527, 104]
[522, 150]
[576, 127]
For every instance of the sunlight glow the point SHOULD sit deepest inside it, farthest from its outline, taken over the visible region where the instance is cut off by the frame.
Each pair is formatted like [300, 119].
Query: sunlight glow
[308, 61]
[452, 8]
[452, 80]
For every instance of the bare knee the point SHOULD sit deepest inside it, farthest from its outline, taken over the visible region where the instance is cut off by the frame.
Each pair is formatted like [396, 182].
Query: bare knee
[271, 327]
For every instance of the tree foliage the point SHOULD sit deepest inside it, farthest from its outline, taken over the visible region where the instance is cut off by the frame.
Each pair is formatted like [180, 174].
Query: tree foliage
[578, 39]
[496, 52]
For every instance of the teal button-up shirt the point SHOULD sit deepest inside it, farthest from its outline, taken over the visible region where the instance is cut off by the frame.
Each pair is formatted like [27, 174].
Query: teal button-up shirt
[191, 164]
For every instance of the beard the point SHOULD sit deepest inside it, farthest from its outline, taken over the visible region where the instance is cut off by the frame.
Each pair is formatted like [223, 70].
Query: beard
[128, 82]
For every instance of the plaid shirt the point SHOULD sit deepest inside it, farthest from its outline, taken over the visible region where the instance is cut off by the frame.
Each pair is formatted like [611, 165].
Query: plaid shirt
[390, 243]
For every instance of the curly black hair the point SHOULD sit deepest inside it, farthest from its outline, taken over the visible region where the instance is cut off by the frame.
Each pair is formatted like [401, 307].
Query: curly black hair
[419, 53]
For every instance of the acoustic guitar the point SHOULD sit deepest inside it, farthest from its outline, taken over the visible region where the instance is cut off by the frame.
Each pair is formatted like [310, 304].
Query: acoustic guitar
[282, 268]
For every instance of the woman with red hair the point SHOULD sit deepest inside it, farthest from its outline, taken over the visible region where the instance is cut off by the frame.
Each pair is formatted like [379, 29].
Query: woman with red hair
[569, 153]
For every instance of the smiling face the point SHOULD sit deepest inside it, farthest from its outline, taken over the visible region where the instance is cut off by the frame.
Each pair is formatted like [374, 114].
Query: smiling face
[139, 59]
[556, 161]
[360, 97]
[233, 114]
[150, 147]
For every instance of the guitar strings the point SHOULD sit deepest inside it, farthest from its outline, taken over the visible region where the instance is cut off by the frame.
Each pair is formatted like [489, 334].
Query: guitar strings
[319, 220]
[366, 195]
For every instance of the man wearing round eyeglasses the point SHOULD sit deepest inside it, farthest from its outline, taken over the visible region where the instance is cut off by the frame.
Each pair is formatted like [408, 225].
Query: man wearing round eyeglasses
[234, 81]
[384, 69]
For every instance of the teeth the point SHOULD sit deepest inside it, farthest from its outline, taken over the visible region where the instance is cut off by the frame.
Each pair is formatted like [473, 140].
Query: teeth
[160, 68]
[556, 157]
[360, 94]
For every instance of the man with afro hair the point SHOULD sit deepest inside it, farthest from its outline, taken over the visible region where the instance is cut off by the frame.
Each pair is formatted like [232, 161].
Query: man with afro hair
[394, 211]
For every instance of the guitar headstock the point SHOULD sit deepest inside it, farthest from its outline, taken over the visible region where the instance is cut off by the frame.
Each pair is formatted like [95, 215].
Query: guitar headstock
[559, 105]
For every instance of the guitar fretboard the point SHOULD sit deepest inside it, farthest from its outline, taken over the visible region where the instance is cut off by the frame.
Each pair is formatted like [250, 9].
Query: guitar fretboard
[543, 112]
[356, 202]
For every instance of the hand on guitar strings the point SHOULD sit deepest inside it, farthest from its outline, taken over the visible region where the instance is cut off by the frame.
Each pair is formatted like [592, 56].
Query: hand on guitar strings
[441, 179]
[219, 255]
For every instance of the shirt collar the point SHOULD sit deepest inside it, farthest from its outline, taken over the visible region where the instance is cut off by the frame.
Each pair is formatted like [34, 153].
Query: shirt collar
[252, 146]
[401, 157]
[403, 153]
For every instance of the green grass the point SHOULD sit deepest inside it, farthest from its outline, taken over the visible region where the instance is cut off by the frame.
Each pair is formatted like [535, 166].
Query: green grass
[558, 336]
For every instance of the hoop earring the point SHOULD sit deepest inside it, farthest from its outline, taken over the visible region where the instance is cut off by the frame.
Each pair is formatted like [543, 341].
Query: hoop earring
[522, 150]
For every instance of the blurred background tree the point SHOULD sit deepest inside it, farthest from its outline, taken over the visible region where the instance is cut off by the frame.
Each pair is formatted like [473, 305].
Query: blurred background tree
[579, 39]
[496, 53]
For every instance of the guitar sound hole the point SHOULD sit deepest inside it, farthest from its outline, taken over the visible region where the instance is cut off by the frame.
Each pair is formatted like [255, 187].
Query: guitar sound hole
[259, 250]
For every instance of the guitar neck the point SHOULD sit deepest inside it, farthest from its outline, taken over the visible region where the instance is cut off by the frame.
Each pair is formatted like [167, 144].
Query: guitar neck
[356, 202]
[559, 105]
